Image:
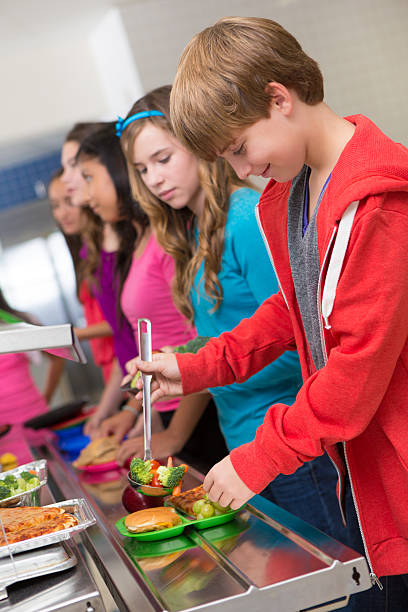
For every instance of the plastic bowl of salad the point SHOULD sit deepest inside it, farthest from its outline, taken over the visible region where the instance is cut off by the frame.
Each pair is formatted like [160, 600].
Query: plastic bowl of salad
[19, 486]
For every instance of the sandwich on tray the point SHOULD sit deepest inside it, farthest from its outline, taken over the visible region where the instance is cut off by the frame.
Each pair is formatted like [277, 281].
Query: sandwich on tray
[152, 519]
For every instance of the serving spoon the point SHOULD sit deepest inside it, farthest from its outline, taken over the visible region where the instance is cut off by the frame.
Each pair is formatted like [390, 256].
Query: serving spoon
[144, 329]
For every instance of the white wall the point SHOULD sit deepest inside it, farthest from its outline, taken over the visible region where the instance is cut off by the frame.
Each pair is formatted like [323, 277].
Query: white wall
[115, 64]
[45, 89]
[52, 82]
[361, 46]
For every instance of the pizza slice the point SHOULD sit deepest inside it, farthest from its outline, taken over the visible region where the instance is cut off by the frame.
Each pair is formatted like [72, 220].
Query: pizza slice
[14, 519]
[58, 523]
[30, 522]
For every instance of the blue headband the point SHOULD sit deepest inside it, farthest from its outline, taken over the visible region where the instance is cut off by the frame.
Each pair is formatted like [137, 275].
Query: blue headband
[122, 124]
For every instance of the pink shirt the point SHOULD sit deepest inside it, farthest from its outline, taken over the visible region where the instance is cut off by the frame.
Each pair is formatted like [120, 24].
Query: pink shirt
[20, 399]
[147, 294]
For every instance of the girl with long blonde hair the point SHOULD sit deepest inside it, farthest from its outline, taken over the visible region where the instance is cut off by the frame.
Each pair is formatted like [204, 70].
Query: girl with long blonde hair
[135, 282]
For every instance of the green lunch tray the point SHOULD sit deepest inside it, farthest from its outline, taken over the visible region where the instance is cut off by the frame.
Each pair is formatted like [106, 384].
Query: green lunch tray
[170, 532]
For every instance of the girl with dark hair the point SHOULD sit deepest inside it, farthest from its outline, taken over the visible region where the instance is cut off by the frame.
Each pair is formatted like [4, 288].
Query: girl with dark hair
[139, 275]
[71, 175]
[72, 221]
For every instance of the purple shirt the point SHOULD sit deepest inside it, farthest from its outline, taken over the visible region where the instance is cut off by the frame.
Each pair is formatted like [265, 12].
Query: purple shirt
[105, 291]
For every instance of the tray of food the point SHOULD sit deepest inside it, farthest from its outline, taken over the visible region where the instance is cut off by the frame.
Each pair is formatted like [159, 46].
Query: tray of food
[18, 485]
[34, 563]
[191, 508]
[27, 527]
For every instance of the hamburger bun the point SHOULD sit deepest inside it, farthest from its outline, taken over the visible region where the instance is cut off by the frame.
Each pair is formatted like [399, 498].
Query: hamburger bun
[152, 519]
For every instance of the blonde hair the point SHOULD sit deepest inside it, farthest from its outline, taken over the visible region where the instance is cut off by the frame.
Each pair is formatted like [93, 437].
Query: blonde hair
[222, 77]
[174, 229]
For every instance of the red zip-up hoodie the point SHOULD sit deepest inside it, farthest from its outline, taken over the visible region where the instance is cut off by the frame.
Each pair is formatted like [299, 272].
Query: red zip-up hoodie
[360, 397]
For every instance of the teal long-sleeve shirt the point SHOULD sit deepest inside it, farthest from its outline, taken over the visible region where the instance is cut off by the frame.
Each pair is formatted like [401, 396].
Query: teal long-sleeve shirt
[247, 279]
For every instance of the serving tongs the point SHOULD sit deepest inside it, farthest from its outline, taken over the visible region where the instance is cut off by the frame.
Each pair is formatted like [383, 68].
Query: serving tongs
[144, 329]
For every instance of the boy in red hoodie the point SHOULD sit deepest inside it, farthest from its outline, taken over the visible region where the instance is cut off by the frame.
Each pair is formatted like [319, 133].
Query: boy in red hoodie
[335, 221]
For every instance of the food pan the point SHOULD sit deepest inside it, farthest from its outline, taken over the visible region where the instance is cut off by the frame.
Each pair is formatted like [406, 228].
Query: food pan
[51, 559]
[80, 508]
[27, 498]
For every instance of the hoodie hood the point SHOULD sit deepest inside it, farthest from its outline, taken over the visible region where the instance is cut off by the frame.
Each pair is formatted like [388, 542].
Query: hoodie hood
[382, 167]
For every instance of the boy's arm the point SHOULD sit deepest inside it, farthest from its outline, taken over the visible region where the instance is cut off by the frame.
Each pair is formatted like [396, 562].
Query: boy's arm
[369, 327]
[236, 355]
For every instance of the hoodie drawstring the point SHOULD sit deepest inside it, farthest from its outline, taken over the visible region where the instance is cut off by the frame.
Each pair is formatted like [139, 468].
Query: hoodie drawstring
[336, 261]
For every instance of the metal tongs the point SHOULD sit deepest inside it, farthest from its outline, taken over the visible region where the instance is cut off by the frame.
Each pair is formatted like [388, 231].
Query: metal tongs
[145, 351]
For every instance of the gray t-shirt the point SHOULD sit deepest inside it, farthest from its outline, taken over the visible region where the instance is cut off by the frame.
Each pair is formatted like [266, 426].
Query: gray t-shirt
[304, 263]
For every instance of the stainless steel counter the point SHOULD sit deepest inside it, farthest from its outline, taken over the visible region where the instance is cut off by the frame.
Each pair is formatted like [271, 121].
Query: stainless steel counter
[266, 559]
[73, 589]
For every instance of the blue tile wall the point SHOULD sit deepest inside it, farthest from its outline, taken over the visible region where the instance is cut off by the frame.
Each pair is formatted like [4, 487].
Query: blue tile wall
[27, 181]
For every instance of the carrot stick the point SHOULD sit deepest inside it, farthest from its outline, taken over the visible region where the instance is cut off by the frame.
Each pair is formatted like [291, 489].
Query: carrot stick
[177, 489]
[170, 462]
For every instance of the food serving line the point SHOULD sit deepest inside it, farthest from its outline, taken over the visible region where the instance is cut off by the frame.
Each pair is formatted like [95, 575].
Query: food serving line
[263, 559]
[258, 561]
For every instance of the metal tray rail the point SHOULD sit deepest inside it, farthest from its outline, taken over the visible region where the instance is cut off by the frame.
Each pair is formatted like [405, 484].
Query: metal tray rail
[80, 508]
[40, 468]
[31, 564]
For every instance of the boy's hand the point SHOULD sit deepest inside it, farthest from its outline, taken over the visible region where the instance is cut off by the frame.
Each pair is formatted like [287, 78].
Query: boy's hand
[224, 486]
[166, 375]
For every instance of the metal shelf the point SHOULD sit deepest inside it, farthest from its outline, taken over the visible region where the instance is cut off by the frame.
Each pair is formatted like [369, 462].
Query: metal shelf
[59, 340]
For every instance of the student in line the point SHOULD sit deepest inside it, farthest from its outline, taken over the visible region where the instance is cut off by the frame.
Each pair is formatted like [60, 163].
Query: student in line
[335, 217]
[144, 275]
[100, 248]
[203, 215]
[71, 221]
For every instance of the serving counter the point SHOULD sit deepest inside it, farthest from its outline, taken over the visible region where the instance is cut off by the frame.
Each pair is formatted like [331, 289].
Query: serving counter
[265, 559]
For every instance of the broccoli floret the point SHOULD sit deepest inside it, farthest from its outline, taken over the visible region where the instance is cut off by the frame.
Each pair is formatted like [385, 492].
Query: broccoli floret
[170, 476]
[11, 481]
[192, 346]
[27, 476]
[34, 482]
[22, 485]
[4, 492]
[133, 382]
[141, 470]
